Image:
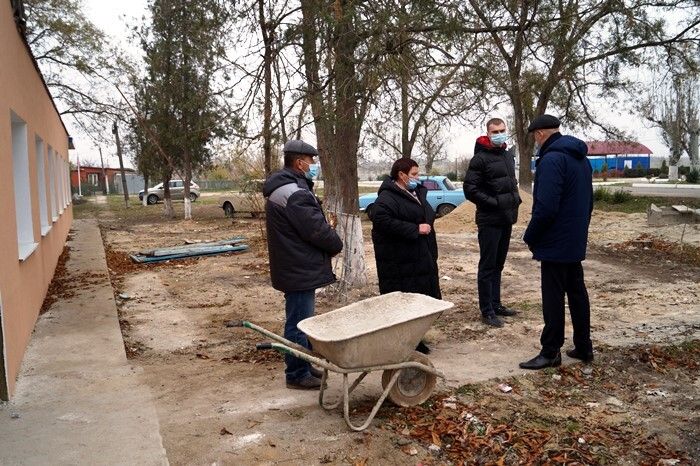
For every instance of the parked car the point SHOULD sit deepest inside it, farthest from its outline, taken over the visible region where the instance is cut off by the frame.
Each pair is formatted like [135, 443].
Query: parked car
[443, 196]
[177, 191]
[249, 199]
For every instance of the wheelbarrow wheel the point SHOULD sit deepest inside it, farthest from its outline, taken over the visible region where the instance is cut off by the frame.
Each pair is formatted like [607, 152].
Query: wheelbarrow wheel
[413, 386]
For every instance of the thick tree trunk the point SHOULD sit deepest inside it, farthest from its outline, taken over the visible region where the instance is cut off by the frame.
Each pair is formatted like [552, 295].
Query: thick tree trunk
[168, 211]
[525, 145]
[337, 121]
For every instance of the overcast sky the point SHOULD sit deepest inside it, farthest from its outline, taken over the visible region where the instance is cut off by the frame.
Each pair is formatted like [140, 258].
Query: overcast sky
[115, 18]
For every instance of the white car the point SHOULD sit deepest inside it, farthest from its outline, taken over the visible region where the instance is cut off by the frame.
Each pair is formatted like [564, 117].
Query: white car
[249, 199]
[177, 191]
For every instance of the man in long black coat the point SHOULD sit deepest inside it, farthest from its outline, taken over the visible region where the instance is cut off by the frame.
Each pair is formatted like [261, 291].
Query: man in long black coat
[490, 183]
[557, 236]
[405, 247]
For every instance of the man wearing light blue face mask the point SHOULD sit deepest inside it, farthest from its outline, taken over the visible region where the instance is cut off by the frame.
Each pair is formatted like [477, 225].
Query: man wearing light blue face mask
[300, 244]
[490, 183]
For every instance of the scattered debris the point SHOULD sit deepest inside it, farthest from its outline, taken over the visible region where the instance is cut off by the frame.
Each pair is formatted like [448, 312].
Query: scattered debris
[124, 296]
[185, 251]
[505, 388]
[410, 450]
[446, 278]
[225, 431]
[15, 415]
[556, 377]
[587, 371]
[612, 401]
[660, 393]
[434, 449]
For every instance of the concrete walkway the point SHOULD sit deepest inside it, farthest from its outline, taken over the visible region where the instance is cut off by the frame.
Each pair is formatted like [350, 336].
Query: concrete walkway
[78, 399]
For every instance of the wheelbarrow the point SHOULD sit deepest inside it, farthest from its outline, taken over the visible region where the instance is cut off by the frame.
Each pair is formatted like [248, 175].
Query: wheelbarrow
[375, 334]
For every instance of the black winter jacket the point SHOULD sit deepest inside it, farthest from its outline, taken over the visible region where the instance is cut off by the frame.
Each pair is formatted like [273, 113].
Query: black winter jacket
[406, 261]
[562, 201]
[490, 183]
[299, 239]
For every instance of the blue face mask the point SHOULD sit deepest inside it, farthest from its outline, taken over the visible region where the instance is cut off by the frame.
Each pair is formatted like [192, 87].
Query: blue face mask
[412, 184]
[498, 139]
[313, 171]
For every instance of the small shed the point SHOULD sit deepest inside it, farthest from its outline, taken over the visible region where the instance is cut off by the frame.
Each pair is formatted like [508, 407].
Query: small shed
[618, 155]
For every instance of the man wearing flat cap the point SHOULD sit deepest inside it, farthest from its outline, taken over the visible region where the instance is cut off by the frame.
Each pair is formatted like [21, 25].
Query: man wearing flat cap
[557, 236]
[300, 244]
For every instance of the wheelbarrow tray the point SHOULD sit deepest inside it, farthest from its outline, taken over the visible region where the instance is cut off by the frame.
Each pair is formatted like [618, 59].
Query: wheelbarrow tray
[373, 332]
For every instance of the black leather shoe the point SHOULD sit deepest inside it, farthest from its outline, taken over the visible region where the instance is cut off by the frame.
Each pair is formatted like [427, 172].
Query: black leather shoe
[307, 383]
[540, 362]
[423, 348]
[492, 320]
[504, 311]
[318, 373]
[585, 357]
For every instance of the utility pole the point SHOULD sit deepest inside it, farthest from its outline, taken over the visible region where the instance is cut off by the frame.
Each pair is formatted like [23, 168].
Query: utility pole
[115, 131]
[105, 186]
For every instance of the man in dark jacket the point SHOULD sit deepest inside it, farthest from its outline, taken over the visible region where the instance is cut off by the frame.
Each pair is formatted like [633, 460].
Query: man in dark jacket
[557, 236]
[490, 183]
[300, 244]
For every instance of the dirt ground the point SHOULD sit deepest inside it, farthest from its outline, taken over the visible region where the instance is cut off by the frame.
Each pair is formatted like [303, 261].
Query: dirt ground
[221, 402]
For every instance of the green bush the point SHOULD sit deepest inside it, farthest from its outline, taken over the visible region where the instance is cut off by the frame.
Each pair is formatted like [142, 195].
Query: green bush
[693, 176]
[601, 194]
[452, 176]
[620, 197]
[383, 177]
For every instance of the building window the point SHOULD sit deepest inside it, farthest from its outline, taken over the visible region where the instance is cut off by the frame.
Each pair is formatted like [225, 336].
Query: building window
[92, 179]
[22, 187]
[41, 184]
[52, 184]
[60, 197]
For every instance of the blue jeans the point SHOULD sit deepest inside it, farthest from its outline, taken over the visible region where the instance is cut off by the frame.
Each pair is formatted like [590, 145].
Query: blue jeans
[299, 305]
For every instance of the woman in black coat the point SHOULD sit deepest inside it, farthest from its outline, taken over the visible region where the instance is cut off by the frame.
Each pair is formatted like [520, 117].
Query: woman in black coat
[405, 247]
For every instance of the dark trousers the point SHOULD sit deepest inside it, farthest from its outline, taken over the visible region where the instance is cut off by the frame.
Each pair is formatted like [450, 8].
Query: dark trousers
[559, 279]
[299, 305]
[493, 247]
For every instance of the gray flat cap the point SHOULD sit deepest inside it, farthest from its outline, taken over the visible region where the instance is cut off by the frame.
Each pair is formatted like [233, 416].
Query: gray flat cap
[543, 122]
[297, 146]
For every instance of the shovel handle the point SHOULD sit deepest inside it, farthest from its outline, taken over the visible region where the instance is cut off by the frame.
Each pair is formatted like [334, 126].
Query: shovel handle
[263, 346]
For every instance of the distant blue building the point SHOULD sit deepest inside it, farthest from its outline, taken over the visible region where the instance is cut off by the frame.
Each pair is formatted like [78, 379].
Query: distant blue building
[617, 154]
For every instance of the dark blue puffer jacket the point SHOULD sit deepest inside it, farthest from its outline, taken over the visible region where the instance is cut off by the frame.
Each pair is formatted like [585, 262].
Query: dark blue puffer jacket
[299, 239]
[563, 201]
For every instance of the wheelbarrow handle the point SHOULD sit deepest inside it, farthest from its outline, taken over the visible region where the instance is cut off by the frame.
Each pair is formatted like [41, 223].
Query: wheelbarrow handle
[263, 346]
[235, 323]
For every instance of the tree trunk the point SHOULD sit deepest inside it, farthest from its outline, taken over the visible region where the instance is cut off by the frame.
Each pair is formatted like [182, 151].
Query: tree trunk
[672, 172]
[186, 181]
[145, 190]
[267, 99]
[694, 144]
[338, 122]
[168, 211]
[525, 146]
[406, 145]
[115, 130]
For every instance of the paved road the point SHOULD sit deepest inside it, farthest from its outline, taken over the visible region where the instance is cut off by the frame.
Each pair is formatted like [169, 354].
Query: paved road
[664, 191]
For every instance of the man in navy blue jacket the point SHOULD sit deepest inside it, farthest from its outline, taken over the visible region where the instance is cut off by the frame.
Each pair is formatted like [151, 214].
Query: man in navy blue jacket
[300, 244]
[557, 236]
